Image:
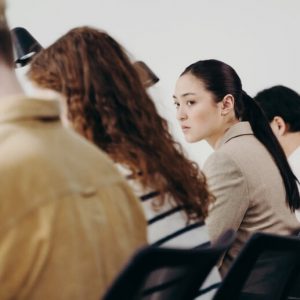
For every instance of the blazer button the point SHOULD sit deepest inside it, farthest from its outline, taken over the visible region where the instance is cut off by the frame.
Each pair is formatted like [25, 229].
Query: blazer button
[88, 192]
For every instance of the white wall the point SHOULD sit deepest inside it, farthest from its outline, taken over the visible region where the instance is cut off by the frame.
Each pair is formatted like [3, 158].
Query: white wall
[259, 38]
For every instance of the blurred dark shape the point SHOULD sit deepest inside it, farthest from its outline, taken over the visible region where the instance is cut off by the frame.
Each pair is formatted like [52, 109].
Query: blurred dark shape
[148, 78]
[25, 46]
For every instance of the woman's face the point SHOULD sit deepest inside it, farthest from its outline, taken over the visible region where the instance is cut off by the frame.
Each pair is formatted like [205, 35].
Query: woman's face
[199, 116]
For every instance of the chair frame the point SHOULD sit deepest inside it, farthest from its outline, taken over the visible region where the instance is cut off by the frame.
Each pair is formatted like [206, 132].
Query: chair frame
[129, 284]
[235, 279]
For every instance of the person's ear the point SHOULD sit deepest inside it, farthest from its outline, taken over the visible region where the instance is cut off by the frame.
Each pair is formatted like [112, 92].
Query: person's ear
[279, 126]
[227, 105]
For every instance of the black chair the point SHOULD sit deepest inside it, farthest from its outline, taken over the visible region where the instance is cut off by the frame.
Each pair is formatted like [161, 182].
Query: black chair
[268, 268]
[168, 274]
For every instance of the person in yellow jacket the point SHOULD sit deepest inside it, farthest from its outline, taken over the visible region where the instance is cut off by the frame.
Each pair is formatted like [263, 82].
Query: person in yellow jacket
[68, 221]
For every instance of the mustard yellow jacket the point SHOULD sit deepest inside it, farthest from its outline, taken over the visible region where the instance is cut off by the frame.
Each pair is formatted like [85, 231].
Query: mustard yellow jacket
[68, 221]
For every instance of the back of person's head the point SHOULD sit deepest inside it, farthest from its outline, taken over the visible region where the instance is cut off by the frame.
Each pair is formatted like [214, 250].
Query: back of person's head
[283, 102]
[108, 104]
[6, 50]
[221, 79]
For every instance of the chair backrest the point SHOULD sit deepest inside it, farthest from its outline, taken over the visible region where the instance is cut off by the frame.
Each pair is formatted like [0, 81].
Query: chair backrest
[167, 273]
[266, 268]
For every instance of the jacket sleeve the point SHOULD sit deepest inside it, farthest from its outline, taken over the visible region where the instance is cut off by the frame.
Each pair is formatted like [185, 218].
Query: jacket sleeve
[229, 187]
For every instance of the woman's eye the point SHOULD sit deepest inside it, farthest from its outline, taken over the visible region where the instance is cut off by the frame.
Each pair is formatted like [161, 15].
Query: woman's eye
[190, 102]
[176, 104]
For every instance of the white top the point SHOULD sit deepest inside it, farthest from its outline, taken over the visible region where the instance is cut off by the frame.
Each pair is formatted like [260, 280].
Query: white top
[168, 227]
[294, 160]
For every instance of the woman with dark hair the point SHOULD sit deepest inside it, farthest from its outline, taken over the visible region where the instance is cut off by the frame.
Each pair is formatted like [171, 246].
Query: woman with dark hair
[107, 103]
[248, 173]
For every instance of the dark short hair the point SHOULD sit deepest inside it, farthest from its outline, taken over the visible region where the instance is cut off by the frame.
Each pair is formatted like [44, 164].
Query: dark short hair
[283, 102]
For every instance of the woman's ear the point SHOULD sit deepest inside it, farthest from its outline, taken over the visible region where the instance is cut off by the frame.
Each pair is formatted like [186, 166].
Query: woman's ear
[227, 105]
[279, 126]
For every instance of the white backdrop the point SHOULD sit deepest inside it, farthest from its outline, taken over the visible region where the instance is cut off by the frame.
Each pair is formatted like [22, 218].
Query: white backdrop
[259, 38]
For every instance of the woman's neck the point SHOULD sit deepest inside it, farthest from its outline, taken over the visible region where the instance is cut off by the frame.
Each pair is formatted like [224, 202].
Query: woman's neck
[9, 82]
[215, 140]
[291, 142]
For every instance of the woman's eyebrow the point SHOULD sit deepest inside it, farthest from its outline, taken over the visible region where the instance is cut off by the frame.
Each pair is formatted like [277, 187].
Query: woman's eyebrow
[185, 94]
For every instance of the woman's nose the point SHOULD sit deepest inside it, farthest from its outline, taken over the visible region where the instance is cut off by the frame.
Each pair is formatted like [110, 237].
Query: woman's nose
[181, 114]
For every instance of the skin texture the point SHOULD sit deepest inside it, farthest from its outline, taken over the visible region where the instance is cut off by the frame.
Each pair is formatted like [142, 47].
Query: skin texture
[289, 141]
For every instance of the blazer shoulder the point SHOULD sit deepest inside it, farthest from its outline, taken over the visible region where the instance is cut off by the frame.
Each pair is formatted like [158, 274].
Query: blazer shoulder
[221, 160]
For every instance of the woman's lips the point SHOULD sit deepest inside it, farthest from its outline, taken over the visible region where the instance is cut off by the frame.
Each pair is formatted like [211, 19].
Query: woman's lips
[185, 128]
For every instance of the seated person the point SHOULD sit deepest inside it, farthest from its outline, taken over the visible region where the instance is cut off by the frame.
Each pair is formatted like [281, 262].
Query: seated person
[282, 108]
[107, 103]
[248, 173]
[69, 222]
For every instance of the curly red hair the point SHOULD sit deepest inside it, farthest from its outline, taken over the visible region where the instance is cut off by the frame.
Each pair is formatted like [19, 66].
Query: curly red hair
[108, 104]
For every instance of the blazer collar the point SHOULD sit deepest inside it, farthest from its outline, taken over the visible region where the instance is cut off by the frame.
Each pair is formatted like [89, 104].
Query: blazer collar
[238, 129]
[20, 107]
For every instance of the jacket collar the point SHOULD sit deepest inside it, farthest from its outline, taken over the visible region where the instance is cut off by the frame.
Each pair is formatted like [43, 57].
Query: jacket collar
[21, 107]
[238, 129]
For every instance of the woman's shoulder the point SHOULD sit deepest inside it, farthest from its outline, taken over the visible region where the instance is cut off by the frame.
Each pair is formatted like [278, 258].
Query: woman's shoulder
[241, 146]
[244, 158]
[220, 159]
[238, 150]
[222, 165]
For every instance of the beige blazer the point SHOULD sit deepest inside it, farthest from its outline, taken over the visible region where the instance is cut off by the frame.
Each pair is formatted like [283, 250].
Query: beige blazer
[249, 191]
[68, 220]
